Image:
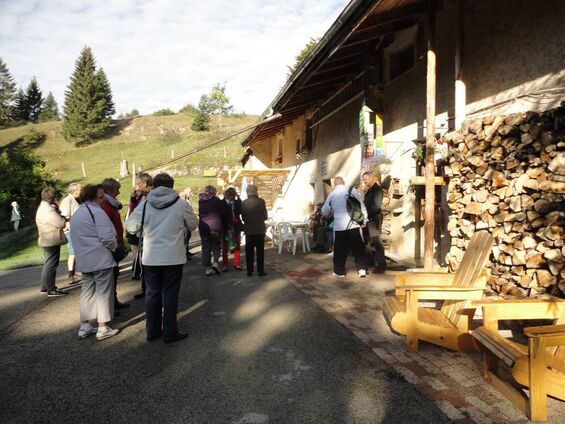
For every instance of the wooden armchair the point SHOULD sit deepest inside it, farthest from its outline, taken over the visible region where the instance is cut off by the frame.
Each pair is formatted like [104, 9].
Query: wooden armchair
[448, 326]
[540, 365]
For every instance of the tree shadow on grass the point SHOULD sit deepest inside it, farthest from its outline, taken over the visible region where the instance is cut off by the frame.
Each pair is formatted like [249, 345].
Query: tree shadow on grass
[24, 144]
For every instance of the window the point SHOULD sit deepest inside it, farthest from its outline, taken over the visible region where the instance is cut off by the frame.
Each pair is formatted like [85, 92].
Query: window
[401, 61]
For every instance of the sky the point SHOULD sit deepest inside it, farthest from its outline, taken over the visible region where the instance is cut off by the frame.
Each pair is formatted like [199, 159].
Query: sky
[163, 53]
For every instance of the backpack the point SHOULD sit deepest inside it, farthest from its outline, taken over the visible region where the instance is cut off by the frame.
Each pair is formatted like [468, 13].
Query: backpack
[354, 208]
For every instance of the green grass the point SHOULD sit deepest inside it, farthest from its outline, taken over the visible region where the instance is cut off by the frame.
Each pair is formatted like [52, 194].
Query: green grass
[20, 249]
[146, 141]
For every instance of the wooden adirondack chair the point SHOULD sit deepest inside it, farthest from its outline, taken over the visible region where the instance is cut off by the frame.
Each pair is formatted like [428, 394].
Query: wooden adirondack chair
[540, 365]
[448, 326]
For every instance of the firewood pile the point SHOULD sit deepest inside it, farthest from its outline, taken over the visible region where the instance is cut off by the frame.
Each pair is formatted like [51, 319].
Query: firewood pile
[507, 176]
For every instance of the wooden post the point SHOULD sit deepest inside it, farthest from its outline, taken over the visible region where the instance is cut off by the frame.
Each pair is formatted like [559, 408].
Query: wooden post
[430, 142]
[83, 170]
[460, 89]
[172, 153]
[537, 367]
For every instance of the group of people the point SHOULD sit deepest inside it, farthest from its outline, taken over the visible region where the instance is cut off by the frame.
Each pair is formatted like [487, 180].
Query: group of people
[362, 239]
[158, 227]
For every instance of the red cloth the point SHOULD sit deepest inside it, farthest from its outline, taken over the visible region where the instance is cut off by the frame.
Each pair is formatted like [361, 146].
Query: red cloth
[116, 219]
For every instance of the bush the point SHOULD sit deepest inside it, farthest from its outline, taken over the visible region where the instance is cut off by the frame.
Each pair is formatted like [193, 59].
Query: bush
[170, 137]
[189, 109]
[33, 136]
[164, 112]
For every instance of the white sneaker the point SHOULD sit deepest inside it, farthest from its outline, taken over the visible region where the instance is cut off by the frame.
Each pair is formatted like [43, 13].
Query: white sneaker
[216, 268]
[210, 271]
[86, 330]
[331, 254]
[106, 332]
[362, 273]
[338, 275]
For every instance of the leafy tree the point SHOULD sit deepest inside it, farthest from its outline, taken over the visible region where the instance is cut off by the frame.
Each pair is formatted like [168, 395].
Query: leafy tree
[7, 93]
[20, 110]
[50, 109]
[217, 102]
[300, 57]
[34, 100]
[106, 93]
[23, 178]
[163, 112]
[86, 110]
[134, 112]
[201, 122]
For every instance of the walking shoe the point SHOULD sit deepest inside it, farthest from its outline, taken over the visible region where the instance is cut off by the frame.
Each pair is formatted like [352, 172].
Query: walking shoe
[362, 273]
[210, 272]
[238, 268]
[249, 274]
[120, 305]
[262, 274]
[86, 330]
[224, 270]
[106, 332]
[338, 275]
[56, 293]
[216, 268]
[175, 338]
[379, 270]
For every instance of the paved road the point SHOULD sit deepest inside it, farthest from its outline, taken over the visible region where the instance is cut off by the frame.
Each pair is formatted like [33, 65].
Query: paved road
[258, 351]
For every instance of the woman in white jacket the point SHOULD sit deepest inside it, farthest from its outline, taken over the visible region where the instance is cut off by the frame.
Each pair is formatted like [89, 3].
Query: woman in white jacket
[94, 240]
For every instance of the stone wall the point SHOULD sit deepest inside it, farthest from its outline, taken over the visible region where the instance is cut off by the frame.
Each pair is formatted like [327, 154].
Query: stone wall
[507, 176]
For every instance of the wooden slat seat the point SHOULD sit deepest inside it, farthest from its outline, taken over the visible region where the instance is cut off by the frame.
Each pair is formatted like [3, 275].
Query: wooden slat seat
[540, 365]
[449, 325]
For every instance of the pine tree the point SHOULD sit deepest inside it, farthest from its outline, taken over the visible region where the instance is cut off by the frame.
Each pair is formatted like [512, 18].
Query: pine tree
[50, 109]
[106, 92]
[86, 108]
[201, 122]
[20, 111]
[34, 100]
[7, 93]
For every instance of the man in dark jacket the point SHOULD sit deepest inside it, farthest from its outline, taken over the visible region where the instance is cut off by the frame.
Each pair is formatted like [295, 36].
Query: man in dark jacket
[254, 215]
[373, 202]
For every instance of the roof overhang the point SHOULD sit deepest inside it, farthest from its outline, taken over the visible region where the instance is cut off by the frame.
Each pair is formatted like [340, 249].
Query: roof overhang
[338, 58]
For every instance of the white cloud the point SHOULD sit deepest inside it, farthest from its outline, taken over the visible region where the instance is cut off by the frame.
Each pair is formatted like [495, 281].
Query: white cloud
[163, 53]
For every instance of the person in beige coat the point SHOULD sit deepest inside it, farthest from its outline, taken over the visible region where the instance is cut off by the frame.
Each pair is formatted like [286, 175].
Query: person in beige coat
[50, 225]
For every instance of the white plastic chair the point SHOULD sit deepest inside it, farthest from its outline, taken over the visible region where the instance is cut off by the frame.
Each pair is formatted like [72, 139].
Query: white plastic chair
[286, 233]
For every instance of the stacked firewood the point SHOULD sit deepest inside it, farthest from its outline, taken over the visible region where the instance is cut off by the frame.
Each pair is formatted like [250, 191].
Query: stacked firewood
[507, 176]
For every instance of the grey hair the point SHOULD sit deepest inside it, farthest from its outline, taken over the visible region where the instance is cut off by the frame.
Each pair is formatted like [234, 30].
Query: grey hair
[251, 190]
[73, 187]
[339, 180]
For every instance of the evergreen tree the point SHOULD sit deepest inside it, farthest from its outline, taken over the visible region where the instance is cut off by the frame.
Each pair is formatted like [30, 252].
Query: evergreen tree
[7, 93]
[50, 109]
[34, 100]
[20, 110]
[86, 108]
[106, 93]
[201, 122]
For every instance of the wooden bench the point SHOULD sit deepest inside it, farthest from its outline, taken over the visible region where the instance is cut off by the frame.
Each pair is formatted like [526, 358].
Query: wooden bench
[539, 365]
[448, 326]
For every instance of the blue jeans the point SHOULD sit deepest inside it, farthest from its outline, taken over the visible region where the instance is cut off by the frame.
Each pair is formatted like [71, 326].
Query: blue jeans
[162, 286]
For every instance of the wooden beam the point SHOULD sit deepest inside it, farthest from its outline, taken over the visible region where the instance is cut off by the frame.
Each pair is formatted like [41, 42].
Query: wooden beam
[380, 31]
[375, 18]
[335, 78]
[460, 89]
[429, 224]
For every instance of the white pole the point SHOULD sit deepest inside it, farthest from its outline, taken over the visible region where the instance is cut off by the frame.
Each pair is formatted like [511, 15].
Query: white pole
[83, 170]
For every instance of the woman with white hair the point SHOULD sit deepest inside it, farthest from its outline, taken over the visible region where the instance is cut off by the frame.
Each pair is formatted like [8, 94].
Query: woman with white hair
[16, 215]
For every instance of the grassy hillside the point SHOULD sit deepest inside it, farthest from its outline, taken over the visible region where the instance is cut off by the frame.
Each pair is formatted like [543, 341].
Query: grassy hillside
[146, 141]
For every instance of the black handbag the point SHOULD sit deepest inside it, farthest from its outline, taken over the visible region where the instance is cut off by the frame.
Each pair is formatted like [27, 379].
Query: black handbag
[120, 253]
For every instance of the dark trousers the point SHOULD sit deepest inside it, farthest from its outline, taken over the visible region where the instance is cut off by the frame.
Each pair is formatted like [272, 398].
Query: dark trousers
[115, 278]
[255, 243]
[52, 255]
[162, 292]
[345, 241]
[211, 241]
[375, 248]
[187, 235]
